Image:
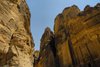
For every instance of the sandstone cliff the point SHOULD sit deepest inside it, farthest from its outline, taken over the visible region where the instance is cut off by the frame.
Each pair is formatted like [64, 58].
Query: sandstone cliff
[76, 39]
[46, 55]
[77, 36]
[16, 43]
[74, 43]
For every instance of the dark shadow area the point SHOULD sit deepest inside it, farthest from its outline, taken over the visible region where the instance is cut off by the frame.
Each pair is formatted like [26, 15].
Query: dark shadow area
[53, 49]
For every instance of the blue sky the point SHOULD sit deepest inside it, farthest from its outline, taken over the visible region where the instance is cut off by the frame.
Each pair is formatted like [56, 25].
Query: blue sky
[43, 13]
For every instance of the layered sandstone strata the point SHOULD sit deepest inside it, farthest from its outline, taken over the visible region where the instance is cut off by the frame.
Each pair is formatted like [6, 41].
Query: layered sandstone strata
[16, 43]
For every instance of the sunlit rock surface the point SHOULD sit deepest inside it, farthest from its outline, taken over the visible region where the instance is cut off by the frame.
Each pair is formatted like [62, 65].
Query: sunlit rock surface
[16, 43]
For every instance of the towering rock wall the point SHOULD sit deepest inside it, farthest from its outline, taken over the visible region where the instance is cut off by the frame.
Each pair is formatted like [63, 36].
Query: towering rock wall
[77, 36]
[76, 39]
[16, 43]
[62, 35]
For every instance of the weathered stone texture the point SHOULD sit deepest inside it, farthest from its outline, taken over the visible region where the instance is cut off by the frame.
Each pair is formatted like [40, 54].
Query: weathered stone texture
[76, 42]
[36, 57]
[47, 48]
[62, 35]
[77, 37]
[16, 43]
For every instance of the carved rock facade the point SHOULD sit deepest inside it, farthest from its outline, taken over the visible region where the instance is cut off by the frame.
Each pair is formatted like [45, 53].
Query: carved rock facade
[16, 43]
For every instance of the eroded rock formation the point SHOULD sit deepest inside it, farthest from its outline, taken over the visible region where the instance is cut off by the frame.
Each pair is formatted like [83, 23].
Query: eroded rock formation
[77, 39]
[16, 43]
[76, 36]
[47, 48]
[75, 42]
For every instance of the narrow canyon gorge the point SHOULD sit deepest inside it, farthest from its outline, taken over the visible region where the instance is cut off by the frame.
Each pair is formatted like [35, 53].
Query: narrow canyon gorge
[75, 41]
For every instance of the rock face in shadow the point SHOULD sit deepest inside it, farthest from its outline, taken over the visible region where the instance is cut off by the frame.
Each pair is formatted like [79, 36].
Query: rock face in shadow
[76, 39]
[16, 43]
[36, 56]
[47, 48]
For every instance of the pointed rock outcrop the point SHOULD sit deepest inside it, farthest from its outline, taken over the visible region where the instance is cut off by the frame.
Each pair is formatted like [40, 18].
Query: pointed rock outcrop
[47, 50]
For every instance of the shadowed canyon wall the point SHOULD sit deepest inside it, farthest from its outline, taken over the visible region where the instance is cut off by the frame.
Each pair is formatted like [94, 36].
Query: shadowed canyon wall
[76, 39]
[16, 43]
